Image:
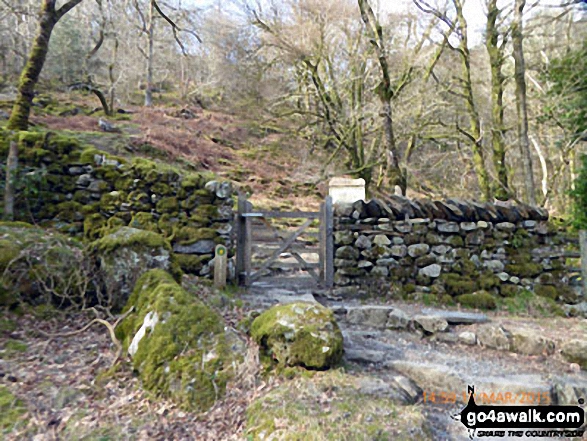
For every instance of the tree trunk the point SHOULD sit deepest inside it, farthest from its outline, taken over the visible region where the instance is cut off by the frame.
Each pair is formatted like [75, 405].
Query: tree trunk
[151, 37]
[19, 119]
[496, 59]
[521, 101]
[11, 172]
[396, 176]
[474, 134]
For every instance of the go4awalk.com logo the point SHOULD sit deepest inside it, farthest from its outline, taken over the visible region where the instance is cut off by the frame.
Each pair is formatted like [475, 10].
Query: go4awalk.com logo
[522, 421]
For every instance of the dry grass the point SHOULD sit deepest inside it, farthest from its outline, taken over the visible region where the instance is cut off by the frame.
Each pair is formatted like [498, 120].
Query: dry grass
[275, 168]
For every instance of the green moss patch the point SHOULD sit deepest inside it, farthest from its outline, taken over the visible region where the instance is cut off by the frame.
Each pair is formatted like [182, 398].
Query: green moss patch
[332, 405]
[129, 237]
[11, 410]
[527, 303]
[186, 355]
[478, 300]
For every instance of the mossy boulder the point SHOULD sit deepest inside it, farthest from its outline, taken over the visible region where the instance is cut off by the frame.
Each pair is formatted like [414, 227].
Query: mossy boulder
[178, 345]
[124, 255]
[478, 300]
[575, 351]
[37, 265]
[299, 334]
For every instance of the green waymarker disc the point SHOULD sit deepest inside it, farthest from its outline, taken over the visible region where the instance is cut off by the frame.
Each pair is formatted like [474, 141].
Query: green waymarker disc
[221, 250]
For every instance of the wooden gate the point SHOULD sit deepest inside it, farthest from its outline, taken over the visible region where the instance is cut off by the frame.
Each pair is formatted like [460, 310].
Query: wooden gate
[285, 244]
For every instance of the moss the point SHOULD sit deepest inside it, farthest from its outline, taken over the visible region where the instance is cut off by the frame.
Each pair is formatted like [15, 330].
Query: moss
[145, 170]
[509, 290]
[8, 252]
[299, 334]
[161, 189]
[456, 284]
[168, 205]
[15, 224]
[488, 281]
[110, 202]
[128, 237]
[93, 226]
[69, 211]
[192, 264]
[192, 181]
[167, 225]
[186, 357]
[11, 410]
[123, 183]
[114, 223]
[88, 156]
[527, 303]
[465, 267]
[408, 288]
[109, 173]
[139, 201]
[524, 270]
[455, 241]
[204, 214]
[82, 196]
[296, 410]
[197, 198]
[547, 291]
[144, 221]
[479, 300]
[14, 346]
[7, 326]
[189, 235]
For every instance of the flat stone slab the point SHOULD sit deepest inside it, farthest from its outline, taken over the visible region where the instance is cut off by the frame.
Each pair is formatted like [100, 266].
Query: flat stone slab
[457, 317]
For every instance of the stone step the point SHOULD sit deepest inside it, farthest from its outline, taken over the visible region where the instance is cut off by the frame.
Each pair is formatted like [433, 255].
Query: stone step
[436, 370]
[457, 317]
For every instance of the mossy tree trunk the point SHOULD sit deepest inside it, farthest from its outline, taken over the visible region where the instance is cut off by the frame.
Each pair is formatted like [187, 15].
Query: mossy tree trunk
[395, 174]
[474, 134]
[19, 119]
[150, 55]
[9, 189]
[495, 50]
[522, 101]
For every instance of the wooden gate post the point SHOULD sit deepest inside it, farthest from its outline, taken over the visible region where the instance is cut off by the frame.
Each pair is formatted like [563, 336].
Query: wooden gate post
[240, 238]
[328, 243]
[583, 245]
[248, 240]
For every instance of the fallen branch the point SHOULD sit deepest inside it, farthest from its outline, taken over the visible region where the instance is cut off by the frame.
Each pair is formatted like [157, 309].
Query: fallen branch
[111, 330]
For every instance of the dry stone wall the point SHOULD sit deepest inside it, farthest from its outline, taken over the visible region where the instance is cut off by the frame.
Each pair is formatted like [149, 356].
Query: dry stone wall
[88, 193]
[459, 251]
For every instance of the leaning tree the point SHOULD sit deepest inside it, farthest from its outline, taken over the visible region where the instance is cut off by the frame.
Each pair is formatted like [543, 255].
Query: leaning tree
[49, 16]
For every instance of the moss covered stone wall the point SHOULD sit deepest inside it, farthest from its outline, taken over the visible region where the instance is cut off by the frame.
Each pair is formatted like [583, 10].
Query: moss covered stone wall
[86, 192]
[449, 250]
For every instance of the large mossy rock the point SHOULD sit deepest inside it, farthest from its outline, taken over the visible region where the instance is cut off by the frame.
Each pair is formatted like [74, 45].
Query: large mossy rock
[39, 266]
[125, 255]
[299, 334]
[575, 351]
[178, 345]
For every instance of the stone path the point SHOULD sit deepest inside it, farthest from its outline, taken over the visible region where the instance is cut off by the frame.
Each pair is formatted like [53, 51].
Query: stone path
[432, 355]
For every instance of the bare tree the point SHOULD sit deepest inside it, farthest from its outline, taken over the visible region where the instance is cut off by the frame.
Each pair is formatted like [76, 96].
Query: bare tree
[457, 27]
[497, 57]
[385, 91]
[521, 100]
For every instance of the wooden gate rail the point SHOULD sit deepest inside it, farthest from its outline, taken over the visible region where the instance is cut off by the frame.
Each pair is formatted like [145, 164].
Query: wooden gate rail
[280, 243]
